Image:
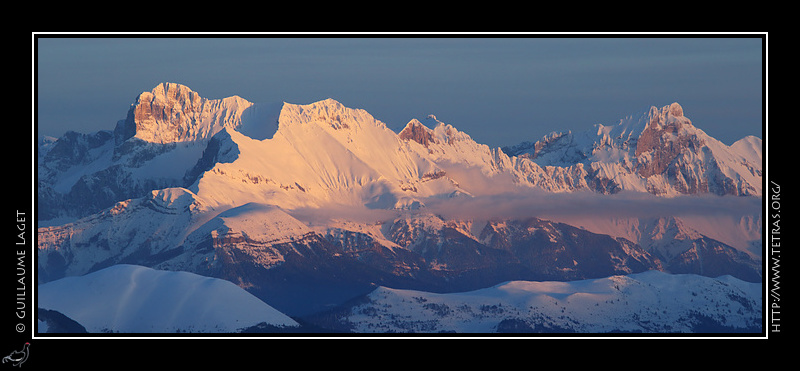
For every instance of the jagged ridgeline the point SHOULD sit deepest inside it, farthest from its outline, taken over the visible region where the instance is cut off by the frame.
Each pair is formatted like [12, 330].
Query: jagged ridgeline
[306, 206]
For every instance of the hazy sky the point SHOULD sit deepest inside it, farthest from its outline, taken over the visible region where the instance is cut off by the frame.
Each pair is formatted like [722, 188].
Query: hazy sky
[499, 90]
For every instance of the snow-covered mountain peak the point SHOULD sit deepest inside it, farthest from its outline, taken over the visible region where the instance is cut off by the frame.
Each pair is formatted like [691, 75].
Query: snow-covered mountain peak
[630, 128]
[440, 131]
[172, 113]
[749, 147]
[671, 111]
[320, 153]
[327, 113]
[658, 150]
[668, 117]
[432, 130]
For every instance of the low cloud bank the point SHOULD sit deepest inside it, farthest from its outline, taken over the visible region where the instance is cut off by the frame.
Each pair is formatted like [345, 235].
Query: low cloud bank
[541, 204]
[622, 205]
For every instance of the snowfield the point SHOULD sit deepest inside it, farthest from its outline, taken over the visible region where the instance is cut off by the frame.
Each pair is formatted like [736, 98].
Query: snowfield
[649, 302]
[135, 299]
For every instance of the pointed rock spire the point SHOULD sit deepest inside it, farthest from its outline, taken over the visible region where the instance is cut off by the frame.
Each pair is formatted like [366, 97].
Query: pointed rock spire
[417, 132]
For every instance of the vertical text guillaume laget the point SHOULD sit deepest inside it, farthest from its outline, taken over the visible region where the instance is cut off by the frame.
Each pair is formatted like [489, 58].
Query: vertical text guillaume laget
[20, 268]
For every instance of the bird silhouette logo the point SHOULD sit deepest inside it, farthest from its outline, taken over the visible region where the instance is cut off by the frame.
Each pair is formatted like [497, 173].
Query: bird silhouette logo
[18, 356]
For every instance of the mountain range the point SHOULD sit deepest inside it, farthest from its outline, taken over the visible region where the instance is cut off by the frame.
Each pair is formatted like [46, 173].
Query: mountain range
[309, 206]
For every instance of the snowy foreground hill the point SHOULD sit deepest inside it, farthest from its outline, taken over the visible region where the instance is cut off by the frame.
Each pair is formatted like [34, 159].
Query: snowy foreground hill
[650, 302]
[136, 299]
[309, 206]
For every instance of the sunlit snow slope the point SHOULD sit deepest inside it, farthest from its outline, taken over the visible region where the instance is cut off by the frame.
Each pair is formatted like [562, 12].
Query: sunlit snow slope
[650, 302]
[136, 299]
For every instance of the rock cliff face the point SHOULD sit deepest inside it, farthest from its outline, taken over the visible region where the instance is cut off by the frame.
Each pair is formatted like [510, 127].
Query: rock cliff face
[417, 132]
[659, 151]
[173, 113]
[670, 145]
